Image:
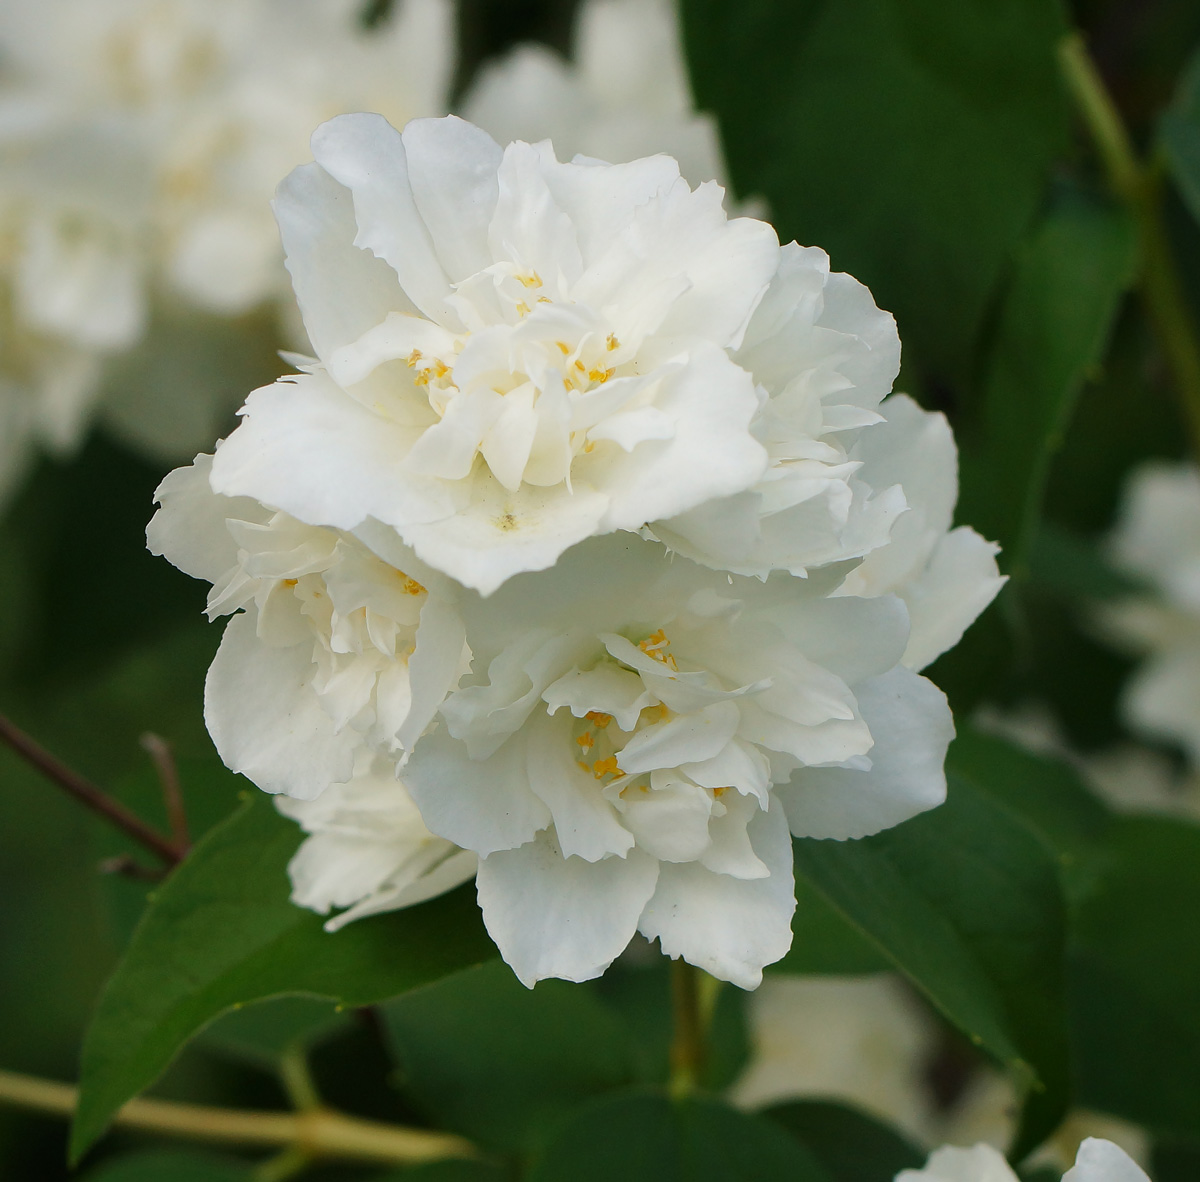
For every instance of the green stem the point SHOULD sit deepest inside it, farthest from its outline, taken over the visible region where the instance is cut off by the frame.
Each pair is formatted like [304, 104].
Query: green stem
[687, 1043]
[297, 1081]
[318, 1133]
[1139, 185]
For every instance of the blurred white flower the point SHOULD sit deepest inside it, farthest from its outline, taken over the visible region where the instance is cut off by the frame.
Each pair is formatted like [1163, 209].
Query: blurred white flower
[863, 1041]
[1157, 540]
[334, 651]
[515, 354]
[636, 737]
[1098, 1161]
[141, 141]
[368, 849]
[624, 94]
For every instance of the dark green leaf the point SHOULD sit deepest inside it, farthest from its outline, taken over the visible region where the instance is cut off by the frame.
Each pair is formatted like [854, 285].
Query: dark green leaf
[644, 1137]
[852, 1146]
[1135, 977]
[221, 932]
[168, 1167]
[965, 901]
[1054, 323]
[260, 1033]
[1045, 794]
[481, 1054]
[909, 138]
[1180, 132]
[824, 941]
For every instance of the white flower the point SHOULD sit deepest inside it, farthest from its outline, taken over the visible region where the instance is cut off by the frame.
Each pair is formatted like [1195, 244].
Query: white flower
[1098, 1161]
[625, 93]
[862, 1040]
[515, 353]
[369, 850]
[1157, 540]
[335, 650]
[851, 475]
[636, 737]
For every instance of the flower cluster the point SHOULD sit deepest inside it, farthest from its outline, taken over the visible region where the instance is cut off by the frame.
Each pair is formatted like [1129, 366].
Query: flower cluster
[590, 536]
[140, 142]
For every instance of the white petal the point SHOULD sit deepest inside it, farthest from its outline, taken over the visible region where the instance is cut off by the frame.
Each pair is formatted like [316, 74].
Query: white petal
[562, 917]
[189, 529]
[682, 739]
[308, 448]
[439, 656]
[1162, 698]
[606, 689]
[501, 533]
[366, 154]
[711, 454]
[266, 720]
[482, 805]
[980, 1163]
[1102, 1161]
[911, 727]
[452, 170]
[947, 597]
[729, 927]
[342, 289]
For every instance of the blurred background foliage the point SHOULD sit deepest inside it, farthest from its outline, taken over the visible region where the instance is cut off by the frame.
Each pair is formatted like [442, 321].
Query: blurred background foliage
[929, 147]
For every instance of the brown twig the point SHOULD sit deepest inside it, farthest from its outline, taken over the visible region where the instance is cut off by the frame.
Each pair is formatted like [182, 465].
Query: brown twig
[87, 793]
[168, 776]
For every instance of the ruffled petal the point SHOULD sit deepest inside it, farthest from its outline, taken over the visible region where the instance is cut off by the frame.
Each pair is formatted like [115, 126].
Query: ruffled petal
[482, 805]
[562, 917]
[911, 726]
[265, 719]
[727, 926]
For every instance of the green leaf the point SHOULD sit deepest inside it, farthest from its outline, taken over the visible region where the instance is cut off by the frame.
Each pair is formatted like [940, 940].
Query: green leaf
[1135, 977]
[909, 138]
[549, 1048]
[1044, 794]
[1054, 324]
[644, 1137]
[1180, 135]
[824, 941]
[260, 1033]
[965, 901]
[221, 933]
[166, 1166]
[849, 1144]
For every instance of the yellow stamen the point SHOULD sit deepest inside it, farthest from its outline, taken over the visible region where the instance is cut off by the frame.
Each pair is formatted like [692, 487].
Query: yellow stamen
[522, 308]
[598, 720]
[413, 358]
[290, 582]
[564, 347]
[534, 280]
[606, 767]
[586, 740]
[601, 375]
[613, 343]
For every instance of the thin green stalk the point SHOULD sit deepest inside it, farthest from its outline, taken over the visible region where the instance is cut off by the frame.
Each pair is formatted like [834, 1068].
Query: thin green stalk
[297, 1080]
[1139, 185]
[688, 1051]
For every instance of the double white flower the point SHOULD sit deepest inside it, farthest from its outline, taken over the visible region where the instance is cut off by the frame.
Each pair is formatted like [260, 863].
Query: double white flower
[522, 365]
